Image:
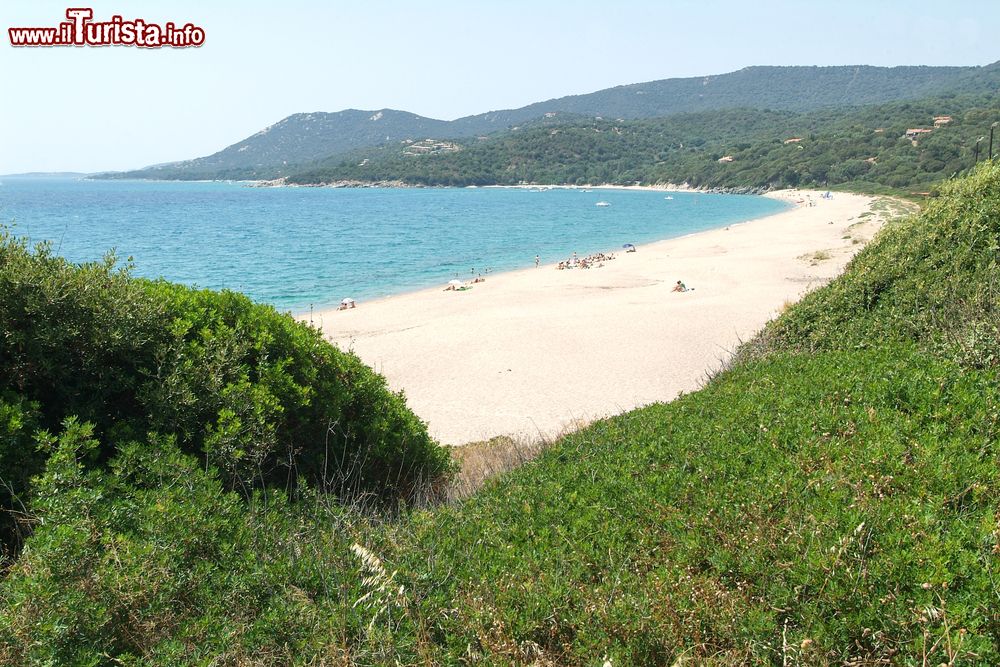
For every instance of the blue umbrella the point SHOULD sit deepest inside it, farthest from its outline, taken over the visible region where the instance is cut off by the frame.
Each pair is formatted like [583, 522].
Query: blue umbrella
[628, 245]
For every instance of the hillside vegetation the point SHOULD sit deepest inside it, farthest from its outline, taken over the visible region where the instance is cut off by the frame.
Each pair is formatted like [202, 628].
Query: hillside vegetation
[832, 498]
[299, 140]
[860, 148]
[788, 88]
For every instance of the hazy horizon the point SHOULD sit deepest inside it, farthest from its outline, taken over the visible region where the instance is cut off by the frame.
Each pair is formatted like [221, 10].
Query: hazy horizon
[88, 109]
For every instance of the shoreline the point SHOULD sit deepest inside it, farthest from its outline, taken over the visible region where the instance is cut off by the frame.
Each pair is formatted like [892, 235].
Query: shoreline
[415, 289]
[534, 352]
[781, 195]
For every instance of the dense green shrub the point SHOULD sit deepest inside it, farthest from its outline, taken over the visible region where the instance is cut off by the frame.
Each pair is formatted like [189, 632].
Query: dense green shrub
[18, 464]
[152, 562]
[263, 398]
[267, 398]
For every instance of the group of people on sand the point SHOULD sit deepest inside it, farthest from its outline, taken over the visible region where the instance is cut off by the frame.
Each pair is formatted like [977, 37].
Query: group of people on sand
[597, 259]
[459, 286]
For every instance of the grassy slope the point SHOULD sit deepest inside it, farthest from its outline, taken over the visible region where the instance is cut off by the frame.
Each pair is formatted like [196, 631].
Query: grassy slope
[833, 505]
[833, 498]
[813, 496]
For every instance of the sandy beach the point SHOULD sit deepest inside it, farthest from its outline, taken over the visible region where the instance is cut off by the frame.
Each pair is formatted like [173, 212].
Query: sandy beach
[538, 351]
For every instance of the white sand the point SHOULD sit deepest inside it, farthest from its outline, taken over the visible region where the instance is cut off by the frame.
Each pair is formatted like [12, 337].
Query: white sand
[537, 351]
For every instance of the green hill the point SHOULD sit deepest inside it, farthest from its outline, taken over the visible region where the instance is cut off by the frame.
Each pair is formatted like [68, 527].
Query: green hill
[304, 138]
[295, 140]
[741, 148]
[779, 88]
[831, 498]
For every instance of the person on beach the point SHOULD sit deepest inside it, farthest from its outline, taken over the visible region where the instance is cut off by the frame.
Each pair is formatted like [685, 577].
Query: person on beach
[680, 287]
[536, 261]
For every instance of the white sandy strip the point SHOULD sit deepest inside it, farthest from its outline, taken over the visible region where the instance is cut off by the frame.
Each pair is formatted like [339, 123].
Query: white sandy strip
[536, 351]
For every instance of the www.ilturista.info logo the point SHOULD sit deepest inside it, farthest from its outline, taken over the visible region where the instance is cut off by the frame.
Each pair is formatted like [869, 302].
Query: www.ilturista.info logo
[81, 30]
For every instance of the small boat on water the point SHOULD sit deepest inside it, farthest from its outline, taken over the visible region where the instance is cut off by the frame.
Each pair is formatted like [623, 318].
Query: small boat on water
[668, 197]
[602, 203]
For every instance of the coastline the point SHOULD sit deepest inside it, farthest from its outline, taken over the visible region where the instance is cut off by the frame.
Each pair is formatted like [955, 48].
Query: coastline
[657, 187]
[534, 352]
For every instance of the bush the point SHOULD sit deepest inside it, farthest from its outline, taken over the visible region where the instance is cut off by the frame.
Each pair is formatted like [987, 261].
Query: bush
[259, 396]
[18, 421]
[152, 562]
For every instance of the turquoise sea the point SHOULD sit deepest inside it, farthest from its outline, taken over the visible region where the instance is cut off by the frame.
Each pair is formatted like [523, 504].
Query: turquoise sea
[298, 248]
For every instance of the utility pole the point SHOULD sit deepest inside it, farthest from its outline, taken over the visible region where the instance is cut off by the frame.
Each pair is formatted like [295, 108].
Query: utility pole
[978, 141]
[992, 127]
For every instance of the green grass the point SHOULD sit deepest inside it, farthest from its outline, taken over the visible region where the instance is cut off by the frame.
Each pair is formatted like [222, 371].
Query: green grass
[930, 278]
[832, 498]
[807, 496]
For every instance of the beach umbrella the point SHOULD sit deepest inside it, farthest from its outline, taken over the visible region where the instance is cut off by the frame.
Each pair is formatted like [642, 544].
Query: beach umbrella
[456, 283]
[347, 301]
[628, 245]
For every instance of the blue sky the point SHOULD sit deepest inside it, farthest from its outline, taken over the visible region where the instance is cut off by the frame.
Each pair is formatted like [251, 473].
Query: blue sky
[89, 109]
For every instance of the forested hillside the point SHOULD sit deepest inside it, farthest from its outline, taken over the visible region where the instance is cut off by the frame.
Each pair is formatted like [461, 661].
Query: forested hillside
[862, 147]
[782, 88]
[304, 138]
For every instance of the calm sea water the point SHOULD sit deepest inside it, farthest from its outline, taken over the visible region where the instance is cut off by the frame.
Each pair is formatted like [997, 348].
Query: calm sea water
[302, 247]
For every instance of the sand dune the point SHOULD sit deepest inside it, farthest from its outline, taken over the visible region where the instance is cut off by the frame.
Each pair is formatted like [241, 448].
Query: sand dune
[536, 351]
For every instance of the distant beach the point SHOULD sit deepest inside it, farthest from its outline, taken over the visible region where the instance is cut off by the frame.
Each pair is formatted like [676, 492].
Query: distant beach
[538, 351]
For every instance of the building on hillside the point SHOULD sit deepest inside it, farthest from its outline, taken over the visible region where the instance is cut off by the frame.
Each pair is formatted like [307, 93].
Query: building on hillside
[941, 120]
[915, 132]
[793, 140]
[726, 158]
[431, 146]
